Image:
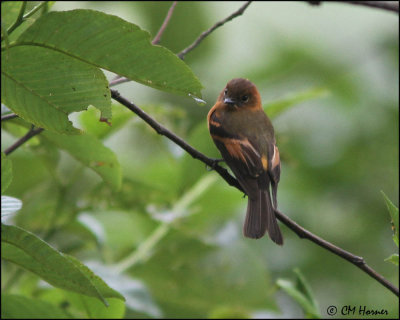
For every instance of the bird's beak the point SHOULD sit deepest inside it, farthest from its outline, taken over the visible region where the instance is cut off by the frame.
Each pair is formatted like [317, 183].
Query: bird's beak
[229, 101]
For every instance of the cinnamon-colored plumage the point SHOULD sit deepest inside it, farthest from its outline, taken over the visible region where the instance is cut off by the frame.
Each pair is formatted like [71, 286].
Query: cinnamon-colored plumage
[245, 137]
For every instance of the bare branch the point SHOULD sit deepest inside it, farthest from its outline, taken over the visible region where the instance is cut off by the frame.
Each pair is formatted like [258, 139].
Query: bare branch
[215, 26]
[157, 38]
[8, 116]
[118, 80]
[160, 129]
[356, 260]
[300, 231]
[31, 133]
[385, 5]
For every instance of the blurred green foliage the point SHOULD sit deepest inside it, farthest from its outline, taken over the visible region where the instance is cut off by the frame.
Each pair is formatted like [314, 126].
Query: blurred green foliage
[338, 151]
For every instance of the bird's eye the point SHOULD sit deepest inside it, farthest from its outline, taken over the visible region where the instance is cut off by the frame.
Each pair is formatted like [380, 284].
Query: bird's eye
[225, 91]
[245, 98]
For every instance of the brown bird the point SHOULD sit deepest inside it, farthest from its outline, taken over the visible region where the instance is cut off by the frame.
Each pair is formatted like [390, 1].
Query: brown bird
[245, 137]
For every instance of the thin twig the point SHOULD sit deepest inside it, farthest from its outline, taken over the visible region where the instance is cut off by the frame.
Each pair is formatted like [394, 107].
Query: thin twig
[385, 5]
[356, 260]
[19, 19]
[300, 231]
[8, 116]
[157, 38]
[118, 80]
[35, 9]
[213, 163]
[31, 133]
[215, 26]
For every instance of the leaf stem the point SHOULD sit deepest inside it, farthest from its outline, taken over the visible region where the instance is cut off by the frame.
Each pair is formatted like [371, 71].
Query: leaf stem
[19, 19]
[9, 117]
[35, 9]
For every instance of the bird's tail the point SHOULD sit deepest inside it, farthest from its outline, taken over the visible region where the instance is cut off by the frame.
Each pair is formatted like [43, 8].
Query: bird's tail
[260, 217]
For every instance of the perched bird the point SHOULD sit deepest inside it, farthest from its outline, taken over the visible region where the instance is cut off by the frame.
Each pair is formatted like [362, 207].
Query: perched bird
[245, 138]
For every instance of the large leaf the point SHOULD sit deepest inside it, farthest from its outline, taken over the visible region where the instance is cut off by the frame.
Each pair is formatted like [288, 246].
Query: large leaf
[105, 290]
[43, 86]
[19, 307]
[92, 153]
[113, 44]
[6, 172]
[28, 251]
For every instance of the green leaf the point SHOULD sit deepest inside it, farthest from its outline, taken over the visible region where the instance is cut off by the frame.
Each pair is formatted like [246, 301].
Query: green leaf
[9, 13]
[101, 286]
[89, 121]
[6, 172]
[28, 251]
[19, 307]
[137, 295]
[303, 286]
[301, 292]
[43, 86]
[394, 258]
[113, 44]
[92, 153]
[275, 108]
[394, 214]
[96, 310]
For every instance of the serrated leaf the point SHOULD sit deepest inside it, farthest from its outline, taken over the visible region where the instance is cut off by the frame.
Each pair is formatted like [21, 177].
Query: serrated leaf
[394, 258]
[394, 214]
[101, 286]
[28, 251]
[275, 108]
[43, 86]
[6, 172]
[111, 43]
[92, 153]
[19, 307]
